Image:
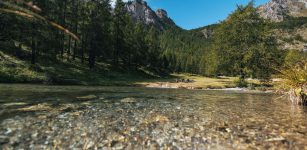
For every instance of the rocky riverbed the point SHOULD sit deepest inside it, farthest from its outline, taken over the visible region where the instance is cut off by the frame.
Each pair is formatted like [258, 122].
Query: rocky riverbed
[138, 118]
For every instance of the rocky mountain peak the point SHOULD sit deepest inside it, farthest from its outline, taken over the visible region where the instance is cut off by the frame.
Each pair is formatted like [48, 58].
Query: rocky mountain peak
[161, 13]
[277, 10]
[141, 2]
[140, 11]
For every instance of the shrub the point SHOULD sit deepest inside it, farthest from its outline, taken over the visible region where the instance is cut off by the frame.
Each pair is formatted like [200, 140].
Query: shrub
[295, 82]
[240, 82]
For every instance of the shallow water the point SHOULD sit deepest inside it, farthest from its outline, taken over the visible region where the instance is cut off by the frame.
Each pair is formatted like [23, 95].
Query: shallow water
[48, 117]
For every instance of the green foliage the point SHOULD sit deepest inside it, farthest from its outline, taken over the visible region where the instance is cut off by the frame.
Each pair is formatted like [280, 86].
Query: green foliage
[103, 37]
[240, 83]
[13, 70]
[290, 23]
[21, 75]
[295, 82]
[246, 46]
[241, 45]
[294, 56]
[295, 75]
[188, 51]
[99, 29]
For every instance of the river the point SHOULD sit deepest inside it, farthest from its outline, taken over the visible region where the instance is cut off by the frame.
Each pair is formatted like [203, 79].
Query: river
[72, 117]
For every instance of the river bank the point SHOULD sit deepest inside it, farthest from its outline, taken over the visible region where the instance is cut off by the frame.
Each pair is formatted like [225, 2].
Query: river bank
[174, 81]
[197, 82]
[190, 81]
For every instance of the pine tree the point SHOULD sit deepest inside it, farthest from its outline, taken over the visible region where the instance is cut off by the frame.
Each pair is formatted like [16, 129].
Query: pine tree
[119, 29]
[99, 29]
[242, 42]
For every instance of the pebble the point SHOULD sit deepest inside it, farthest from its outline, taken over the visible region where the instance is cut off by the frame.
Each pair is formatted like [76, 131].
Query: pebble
[88, 97]
[128, 100]
[135, 123]
[4, 139]
[276, 139]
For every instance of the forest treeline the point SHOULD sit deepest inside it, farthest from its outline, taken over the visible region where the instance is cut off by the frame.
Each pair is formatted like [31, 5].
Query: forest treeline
[242, 45]
[103, 34]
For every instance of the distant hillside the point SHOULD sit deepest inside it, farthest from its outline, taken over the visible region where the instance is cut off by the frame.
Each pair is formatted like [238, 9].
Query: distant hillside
[207, 31]
[289, 20]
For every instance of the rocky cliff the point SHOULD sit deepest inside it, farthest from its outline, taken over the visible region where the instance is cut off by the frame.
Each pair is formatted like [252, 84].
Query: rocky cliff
[140, 11]
[277, 10]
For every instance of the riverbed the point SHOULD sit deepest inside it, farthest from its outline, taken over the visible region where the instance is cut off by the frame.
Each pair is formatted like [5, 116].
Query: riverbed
[80, 117]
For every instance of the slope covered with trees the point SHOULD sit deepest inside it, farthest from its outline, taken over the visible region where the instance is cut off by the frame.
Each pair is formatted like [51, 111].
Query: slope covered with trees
[243, 45]
[93, 34]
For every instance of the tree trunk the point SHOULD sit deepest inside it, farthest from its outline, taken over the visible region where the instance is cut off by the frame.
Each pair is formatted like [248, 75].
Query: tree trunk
[83, 37]
[63, 24]
[91, 58]
[76, 28]
[116, 53]
[82, 49]
[33, 45]
[68, 49]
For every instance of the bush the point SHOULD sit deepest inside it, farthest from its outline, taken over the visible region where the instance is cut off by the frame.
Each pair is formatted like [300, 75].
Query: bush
[294, 56]
[299, 38]
[295, 82]
[291, 23]
[241, 83]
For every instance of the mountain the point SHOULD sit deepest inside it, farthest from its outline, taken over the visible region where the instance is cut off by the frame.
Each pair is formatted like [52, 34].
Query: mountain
[278, 10]
[140, 11]
[290, 20]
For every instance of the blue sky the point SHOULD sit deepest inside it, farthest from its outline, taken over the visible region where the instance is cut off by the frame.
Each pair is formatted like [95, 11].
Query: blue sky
[190, 14]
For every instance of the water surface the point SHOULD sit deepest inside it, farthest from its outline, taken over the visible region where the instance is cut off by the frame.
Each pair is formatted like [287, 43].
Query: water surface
[48, 117]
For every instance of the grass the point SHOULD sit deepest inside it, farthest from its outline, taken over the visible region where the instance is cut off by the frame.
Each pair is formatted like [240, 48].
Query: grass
[199, 82]
[294, 82]
[14, 70]
[47, 71]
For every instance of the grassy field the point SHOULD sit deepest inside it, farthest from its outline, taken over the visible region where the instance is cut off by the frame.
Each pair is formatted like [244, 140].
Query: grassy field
[14, 70]
[198, 82]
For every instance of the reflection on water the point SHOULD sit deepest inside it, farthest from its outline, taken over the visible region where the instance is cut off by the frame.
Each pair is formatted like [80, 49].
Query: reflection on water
[42, 117]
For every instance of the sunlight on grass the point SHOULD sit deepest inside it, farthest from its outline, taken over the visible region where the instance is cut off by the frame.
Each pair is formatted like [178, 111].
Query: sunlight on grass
[294, 82]
[198, 82]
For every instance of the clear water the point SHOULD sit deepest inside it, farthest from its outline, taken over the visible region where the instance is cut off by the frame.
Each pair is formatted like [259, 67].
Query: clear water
[53, 117]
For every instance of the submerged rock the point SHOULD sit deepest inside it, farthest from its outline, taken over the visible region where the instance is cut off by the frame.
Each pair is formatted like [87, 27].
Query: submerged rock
[276, 139]
[156, 119]
[88, 97]
[15, 104]
[38, 107]
[128, 100]
[4, 139]
[167, 119]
